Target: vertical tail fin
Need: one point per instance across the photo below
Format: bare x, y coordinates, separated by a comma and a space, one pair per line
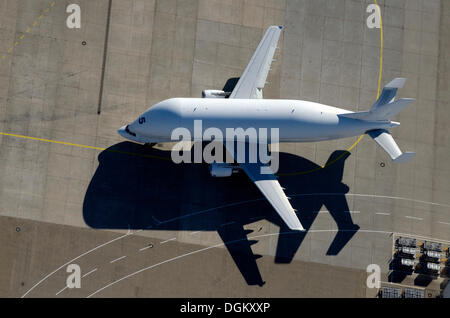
388, 93
385, 107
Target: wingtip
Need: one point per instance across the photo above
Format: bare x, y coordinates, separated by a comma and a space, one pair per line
297, 227
405, 157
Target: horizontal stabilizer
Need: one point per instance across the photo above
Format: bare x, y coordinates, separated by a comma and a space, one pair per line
385, 140
357, 115
386, 111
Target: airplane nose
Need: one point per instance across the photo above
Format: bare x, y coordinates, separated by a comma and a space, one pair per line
122, 131
125, 132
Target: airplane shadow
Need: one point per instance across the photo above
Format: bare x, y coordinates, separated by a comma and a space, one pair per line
139, 187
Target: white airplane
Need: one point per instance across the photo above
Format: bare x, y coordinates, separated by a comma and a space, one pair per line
297, 120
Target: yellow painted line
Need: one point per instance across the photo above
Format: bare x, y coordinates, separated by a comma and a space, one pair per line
51, 141
362, 136
29, 29
380, 72
327, 165
83, 146
165, 158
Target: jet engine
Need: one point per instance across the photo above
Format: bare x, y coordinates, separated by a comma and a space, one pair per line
214, 93
222, 170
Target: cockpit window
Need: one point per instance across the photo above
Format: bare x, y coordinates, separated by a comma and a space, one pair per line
129, 131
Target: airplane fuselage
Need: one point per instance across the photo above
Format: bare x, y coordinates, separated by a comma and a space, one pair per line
297, 121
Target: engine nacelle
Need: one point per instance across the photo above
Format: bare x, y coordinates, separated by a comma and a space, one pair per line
214, 93
222, 170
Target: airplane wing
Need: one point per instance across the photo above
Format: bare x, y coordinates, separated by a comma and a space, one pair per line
268, 184
235, 239
253, 79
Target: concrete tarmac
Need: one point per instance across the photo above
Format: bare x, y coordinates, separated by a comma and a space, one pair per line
58, 201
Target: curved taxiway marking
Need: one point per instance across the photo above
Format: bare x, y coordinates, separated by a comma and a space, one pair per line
380, 73
244, 239
227, 206
131, 233
74, 259
373, 196
381, 49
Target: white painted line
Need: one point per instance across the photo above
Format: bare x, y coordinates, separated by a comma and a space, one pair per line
382, 213
156, 220
326, 211
144, 248
125, 235
413, 217
227, 223
138, 231
192, 233
368, 195
173, 238
61, 291
225, 206
444, 223
222, 244
89, 273
117, 259
257, 217
72, 260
